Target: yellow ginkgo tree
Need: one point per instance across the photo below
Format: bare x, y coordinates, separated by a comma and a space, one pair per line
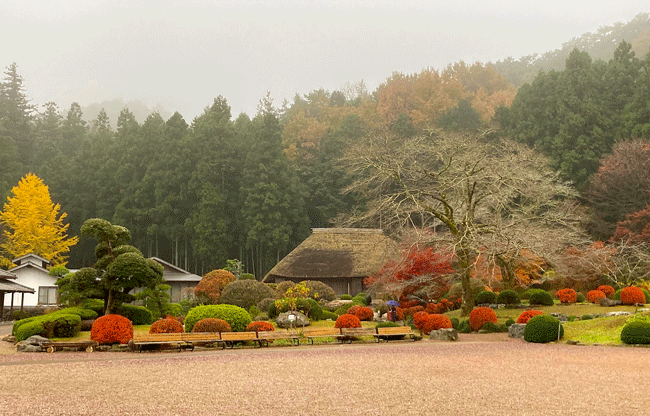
32, 224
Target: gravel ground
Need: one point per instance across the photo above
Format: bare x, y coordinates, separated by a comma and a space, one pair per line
478, 375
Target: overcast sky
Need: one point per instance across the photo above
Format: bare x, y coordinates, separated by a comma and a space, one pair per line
182, 54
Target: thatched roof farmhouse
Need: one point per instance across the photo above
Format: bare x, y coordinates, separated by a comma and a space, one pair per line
339, 257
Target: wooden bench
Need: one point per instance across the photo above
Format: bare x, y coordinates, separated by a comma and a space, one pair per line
229, 338
396, 332
141, 340
266, 336
311, 333
192, 338
88, 346
350, 334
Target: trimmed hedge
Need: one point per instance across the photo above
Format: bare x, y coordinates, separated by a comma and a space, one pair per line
347, 321
111, 329
632, 295
636, 333
44, 325
540, 297
138, 315
324, 291
479, 316
509, 297
543, 328
245, 293
211, 325
486, 297
166, 326
238, 318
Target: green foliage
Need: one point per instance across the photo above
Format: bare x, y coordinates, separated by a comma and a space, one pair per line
346, 297
315, 312
464, 327
344, 308
245, 293
540, 297
319, 290
58, 271
581, 297
265, 303
174, 309
490, 327
247, 276
96, 305
508, 297
138, 315
509, 322
585, 317
362, 299
156, 299
543, 328
328, 315
454, 323
237, 317
387, 324
60, 325
486, 297
273, 312
636, 333
84, 314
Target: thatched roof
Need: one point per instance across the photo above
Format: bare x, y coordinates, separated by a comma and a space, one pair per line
336, 253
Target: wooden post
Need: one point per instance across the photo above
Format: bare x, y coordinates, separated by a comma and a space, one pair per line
22, 302
11, 308
2, 306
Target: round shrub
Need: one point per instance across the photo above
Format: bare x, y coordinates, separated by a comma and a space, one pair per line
328, 315
166, 326
84, 314
636, 333
463, 327
111, 329
265, 303
260, 326
245, 293
56, 324
365, 313
567, 295
282, 288
346, 297
419, 318
594, 296
480, 316
387, 324
96, 305
509, 297
247, 276
211, 325
509, 322
319, 290
606, 289
543, 328
138, 315
347, 321
211, 284
273, 312
476, 287
540, 297
525, 316
581, 297
362, 299
174, 309
632, 295
486, 297
315, 311
236, 317
344, 308
434, 322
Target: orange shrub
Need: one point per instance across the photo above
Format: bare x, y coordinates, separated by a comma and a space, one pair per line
400, 313
567, 295
412, 310
594, 296
419, 318
606, 289
111, 329
165, 326
211, 325
347, 321
212, 284
479, 316
632, 295
435, 322
260, 326
525, 316
364, 313
352, 310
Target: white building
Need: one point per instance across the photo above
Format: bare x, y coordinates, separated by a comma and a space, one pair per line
31, 271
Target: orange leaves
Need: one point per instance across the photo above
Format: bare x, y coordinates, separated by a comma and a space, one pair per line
111, 329
212, 284
32, 223
525, 316
479, 316
347, 321
594, 296
567, 295
632, 295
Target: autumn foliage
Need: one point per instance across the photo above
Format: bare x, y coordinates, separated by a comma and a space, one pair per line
164, 326
525, 316
479, 316
594, 296
111, 329
606, 289
567, 295
347, 321
211, 325
260, 326
434, 322
632, 295
212, 284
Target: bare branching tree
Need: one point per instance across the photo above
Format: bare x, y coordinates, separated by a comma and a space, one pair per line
480, 194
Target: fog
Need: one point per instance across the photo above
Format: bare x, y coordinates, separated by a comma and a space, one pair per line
179, 55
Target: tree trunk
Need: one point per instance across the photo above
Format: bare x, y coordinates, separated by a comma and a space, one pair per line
507, 272
464, 263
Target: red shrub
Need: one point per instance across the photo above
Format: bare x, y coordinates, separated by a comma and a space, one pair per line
212, 284
594, 296
435, 322
431, 308
406, 304
352, 310
111, 329
364, 313
526, 315
606, 289
165, 326
347, 321
567, 295
260, 326
412, 311
632, 295
480, 316
400, 313
211, 325
419, 318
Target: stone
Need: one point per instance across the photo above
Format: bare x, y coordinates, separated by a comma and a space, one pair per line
609, 302
516, 330
336, 303
283, 320
444, 334
560, 316
616, 313
32, 344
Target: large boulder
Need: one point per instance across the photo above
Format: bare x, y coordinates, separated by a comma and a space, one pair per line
283, 320
32, 344
336, 303
444, 334
516, 330
609, 302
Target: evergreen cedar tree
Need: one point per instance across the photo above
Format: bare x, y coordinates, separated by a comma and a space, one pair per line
32, 224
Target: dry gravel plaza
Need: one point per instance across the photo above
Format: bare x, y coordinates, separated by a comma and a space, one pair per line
481, 374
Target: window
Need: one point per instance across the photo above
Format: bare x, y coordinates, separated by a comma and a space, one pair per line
47, 295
